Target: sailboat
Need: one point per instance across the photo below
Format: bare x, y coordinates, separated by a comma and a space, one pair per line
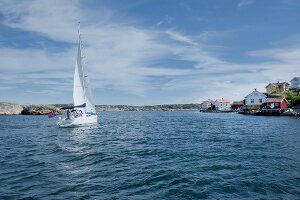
83, 113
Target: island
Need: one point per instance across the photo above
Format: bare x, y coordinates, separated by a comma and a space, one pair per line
7, 108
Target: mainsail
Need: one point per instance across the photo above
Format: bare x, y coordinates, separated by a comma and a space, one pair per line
82, 89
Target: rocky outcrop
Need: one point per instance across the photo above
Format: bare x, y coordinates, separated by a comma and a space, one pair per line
39, 109
16, 109
10, 108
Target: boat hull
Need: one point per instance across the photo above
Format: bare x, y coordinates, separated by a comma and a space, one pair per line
85, 120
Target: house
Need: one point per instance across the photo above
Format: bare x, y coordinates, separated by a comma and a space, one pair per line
277, 87
222, 104
255, 98
237, 104
206, 105
275, 103
295, 83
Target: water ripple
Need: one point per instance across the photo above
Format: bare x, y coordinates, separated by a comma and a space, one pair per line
151, 155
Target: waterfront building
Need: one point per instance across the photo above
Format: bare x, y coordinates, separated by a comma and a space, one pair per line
206, 105
277, 87
236, 105
275, 103
255, 98
222, 104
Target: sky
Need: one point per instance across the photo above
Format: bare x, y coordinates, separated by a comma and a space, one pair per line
147, 52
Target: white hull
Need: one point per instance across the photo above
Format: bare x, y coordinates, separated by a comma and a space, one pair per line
84, 120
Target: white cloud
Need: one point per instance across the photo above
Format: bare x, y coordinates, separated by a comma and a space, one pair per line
118, 55
181, 38
286, 55
244, 3
167, 20
122, 55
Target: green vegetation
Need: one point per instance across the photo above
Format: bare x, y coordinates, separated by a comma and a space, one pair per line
293, 98
273, 95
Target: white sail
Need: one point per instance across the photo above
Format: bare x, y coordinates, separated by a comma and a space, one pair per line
90, 106
82, 89
78, 91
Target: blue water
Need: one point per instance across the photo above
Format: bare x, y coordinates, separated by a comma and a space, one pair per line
151, 155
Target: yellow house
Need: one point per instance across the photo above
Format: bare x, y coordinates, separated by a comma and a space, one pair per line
277, 87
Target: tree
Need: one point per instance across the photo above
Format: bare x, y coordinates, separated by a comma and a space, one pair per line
293, 98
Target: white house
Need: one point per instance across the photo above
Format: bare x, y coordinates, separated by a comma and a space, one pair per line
255, 98
222, 104
295, 83
206, 104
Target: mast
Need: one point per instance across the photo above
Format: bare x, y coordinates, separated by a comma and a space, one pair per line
82, 65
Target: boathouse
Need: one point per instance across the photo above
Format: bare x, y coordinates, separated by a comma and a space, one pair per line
236, 105
275, 103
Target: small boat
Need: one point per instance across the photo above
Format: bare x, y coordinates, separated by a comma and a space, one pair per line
83, 113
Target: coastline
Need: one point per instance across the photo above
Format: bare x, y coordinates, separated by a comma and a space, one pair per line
8, 108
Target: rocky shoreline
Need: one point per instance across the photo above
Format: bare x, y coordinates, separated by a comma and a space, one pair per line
10, 108
7, 108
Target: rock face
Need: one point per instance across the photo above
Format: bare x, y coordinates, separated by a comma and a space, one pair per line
10, 108
39, 109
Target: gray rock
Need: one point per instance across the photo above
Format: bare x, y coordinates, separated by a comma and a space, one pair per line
10, 108
39, 109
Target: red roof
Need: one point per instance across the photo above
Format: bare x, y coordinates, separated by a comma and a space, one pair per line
223, 100
275, 100
238, 103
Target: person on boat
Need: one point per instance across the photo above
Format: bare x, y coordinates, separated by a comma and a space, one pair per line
79, 113
74, 113
68, 114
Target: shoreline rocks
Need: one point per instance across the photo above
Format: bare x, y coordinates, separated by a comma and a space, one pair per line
39, 109
7, 108
17, 109
10, 108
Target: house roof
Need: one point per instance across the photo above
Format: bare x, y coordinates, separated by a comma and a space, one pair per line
278, 84
296, 79
255, 92
275, 100
238, 103
222, 100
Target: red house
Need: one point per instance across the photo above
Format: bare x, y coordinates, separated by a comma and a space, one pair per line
237, 104
275, 103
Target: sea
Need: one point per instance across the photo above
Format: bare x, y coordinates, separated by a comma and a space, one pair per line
151, 155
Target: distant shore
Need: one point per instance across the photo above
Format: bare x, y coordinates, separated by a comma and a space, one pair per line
7, 108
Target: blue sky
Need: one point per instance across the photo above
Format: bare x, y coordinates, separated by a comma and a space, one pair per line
149, 51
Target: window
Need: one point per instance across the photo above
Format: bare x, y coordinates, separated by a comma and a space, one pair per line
260, 100
252, 100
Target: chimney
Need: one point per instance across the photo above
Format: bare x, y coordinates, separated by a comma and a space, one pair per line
254, 89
